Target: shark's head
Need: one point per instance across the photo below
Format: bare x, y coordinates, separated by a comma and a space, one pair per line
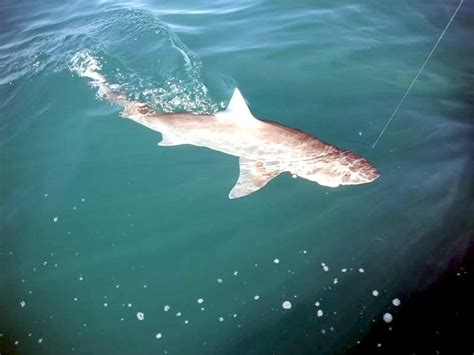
339, 168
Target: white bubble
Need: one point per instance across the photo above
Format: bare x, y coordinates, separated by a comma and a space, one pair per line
166, 308
286, 305
319, 313
276, 261
236, 273
55, 219
387, 317
200, 300
219, 281
140, 316
316, 304
129, 305
375, 293
186, 321
361, 270
40, 340
158, 336
294, 176
344, 270
325, 268
22, 304
178, 314
106, 304
256, 297
335, 281
396, 302
221, 319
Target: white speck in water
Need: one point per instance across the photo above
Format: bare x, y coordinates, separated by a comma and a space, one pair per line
145, 286
361, 270
22, 304
83, 199
45, 195
200, 300
74, 208
234, 315
320, 313
387, 317
375, 293
276, 261
325, 268
323, 331
55, 219
219, 281
294, 176
81, 278
236, 273
221, 319
396, 302
140, 316
360, 133
178, 314
45, 263
106, 304
305, 252
256, 297
117, 286
186, 322
166, 308
202, 308
40, 340
335, 281
75, 299
286, 305
379, 345
316, 304
344, 270
129, 305
158, 336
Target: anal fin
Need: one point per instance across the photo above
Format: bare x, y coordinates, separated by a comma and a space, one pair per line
253, 176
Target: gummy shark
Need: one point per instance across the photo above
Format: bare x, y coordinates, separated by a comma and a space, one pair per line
265, 148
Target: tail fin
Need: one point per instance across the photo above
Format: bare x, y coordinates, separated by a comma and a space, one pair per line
87, 66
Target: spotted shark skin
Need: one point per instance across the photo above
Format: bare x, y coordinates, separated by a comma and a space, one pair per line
265, 148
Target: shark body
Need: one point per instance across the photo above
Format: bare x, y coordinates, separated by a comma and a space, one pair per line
265, 149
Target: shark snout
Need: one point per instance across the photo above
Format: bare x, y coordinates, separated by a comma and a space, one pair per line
368, 175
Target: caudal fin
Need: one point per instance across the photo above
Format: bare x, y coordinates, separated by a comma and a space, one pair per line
85, 65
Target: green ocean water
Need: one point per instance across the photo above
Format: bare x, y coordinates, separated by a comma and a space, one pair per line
99, 225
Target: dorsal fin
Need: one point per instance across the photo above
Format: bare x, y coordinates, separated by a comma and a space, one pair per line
253, 176
238, 110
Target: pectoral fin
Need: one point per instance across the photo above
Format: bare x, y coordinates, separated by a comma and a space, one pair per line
168, 141
253, 176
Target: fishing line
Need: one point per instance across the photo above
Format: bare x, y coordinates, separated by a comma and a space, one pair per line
417, 75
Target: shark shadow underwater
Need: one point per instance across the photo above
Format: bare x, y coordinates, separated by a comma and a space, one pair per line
265, 148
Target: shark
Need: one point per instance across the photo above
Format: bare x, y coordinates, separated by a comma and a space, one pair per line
265, 148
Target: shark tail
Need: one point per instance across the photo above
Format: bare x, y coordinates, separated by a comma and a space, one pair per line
87, 66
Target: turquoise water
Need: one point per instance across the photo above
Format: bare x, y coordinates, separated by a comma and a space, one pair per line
99, 224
